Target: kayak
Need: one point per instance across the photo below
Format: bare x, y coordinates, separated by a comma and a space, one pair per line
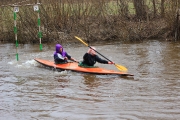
73, 66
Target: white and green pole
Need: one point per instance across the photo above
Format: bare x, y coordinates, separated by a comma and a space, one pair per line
36, 8
16, 9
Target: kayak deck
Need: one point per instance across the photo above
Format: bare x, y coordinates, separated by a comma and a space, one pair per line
73, 66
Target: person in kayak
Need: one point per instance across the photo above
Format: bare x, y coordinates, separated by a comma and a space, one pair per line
90, 58
61, 56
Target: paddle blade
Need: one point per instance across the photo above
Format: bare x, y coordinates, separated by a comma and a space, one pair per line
121, 68
81, 40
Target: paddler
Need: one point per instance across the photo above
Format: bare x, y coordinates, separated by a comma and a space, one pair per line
61, 56
90, 58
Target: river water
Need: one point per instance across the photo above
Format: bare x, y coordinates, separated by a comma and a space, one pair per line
30, 91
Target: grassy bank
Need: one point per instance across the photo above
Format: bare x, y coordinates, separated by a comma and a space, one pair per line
91, 20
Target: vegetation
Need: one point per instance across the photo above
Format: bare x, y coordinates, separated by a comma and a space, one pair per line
91, 20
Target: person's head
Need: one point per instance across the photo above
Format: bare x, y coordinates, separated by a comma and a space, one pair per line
59, 48
92, 51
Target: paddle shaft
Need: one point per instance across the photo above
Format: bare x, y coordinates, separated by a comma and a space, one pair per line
99, 53
92, 48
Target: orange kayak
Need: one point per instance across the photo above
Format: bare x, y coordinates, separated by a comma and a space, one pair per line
73, 66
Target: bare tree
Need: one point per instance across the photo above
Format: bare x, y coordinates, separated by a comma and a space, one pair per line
154, 7
162, 8
140, 9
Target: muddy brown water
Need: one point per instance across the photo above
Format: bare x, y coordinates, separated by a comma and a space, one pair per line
29, 91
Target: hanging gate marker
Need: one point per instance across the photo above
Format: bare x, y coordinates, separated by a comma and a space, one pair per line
16, 9
36, 8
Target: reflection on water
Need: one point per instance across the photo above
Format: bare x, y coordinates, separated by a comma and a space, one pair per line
29, 90
91, 80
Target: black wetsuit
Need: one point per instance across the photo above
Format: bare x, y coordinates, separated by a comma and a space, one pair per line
90, 60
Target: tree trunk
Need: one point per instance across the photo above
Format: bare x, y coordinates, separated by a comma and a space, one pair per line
140, 9
162, 8
154, 7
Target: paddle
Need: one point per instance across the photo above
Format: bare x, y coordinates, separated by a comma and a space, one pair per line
119, 67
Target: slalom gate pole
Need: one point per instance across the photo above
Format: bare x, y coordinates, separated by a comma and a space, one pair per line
16, 9
36, 8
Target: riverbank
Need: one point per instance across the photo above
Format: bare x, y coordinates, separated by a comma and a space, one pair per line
92, 21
